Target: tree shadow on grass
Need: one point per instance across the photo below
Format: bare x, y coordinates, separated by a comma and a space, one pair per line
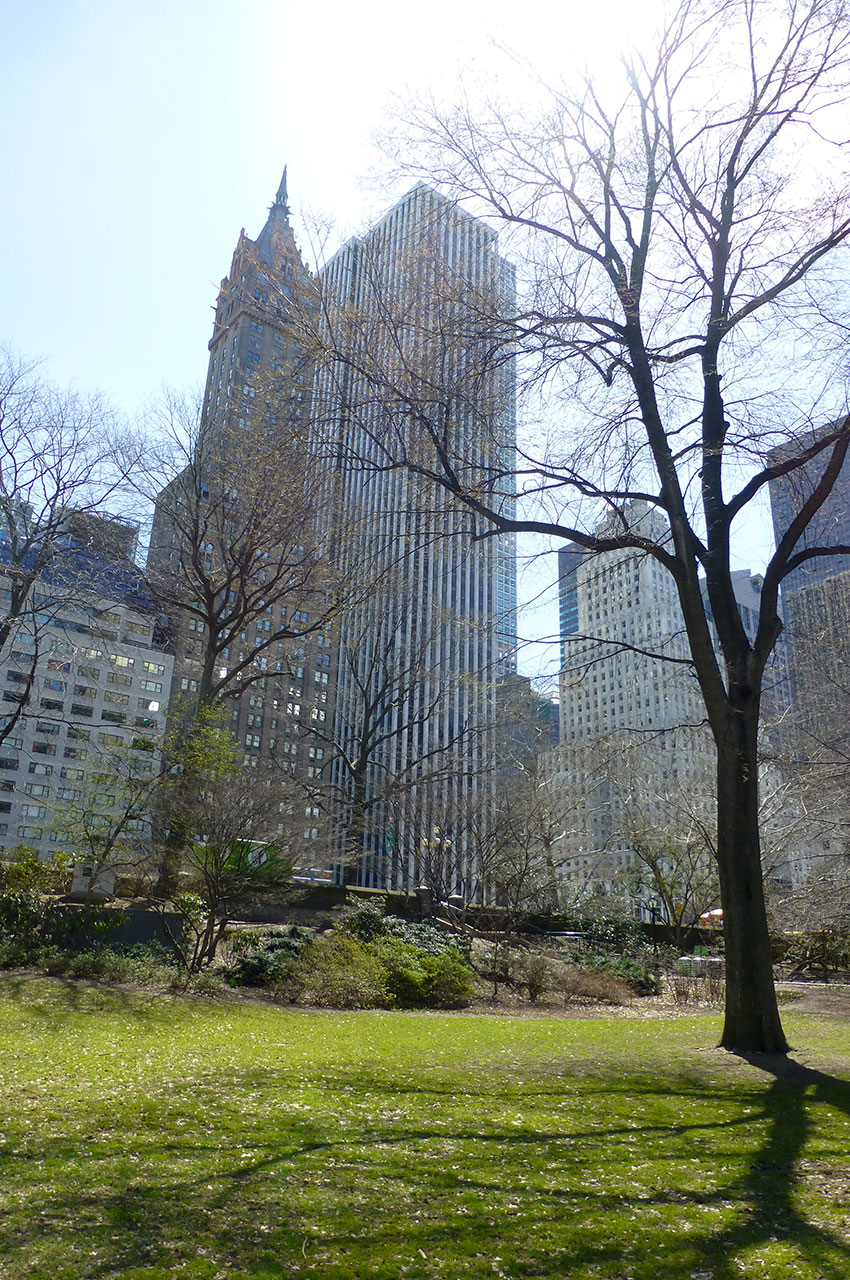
548, 1200
45, 996
779, 1174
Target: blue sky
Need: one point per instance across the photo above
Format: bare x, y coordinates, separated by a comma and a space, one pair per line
138, 138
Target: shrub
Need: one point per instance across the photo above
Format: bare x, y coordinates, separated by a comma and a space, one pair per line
581, 986
146, 964
818, 951
339, 972
535, 974
449, 980
417, 979
268, 957
368, 922
25, 917
635, 973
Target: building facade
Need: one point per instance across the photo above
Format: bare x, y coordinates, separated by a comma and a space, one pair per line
236, 552
420, 657
88, 662
815, 607
635, 761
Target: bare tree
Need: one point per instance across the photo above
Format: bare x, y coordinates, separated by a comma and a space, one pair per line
57, 467
107, 822
239, 563
386, 744
677, 241
236, 559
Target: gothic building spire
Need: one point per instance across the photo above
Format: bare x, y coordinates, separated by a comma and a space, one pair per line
281, 200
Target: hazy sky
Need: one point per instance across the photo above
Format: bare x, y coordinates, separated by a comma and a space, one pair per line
138, 139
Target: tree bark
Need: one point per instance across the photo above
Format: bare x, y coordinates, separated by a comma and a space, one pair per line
752, 1023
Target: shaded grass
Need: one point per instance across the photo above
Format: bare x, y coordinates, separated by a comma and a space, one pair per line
152, 1137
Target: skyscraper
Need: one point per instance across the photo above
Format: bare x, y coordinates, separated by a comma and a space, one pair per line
815, 605
419, 658
630, 706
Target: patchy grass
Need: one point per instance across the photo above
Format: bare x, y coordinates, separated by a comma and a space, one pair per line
151, 1137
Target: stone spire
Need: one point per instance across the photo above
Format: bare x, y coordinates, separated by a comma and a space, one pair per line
281, 200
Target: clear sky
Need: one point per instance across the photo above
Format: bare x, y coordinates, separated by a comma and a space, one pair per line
139, 137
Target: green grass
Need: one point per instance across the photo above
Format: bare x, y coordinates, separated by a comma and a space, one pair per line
151, 1137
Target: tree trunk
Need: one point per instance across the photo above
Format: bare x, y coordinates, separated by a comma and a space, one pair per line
752, 1023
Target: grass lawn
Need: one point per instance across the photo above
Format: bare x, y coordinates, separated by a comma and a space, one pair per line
150, 1137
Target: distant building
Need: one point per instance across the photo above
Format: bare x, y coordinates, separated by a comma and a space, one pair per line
259, 382
815, 606
631, 711
88, 662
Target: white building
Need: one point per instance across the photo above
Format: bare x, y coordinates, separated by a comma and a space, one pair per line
95, 682
634, 754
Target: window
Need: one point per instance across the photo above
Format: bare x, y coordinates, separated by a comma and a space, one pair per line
58, 686
153, 668
85, 691
68, 793
119, 678
110, 739
51, 704
81, 735
114, 717
42, 770
118, 699
153, 686
33, 811
147, 704
76, 753
76, 775
91, 653
80, 709
120, 661
187, 686
30, 833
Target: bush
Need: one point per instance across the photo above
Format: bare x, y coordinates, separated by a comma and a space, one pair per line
25, 870
636, 974
368, 922
25, 917
417, 979
146, 964
818, 951
339, 972
581, 986
535, 974
268, 957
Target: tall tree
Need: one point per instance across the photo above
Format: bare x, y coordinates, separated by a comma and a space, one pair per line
682, 316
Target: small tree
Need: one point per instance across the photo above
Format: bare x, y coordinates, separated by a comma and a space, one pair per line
229, 814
